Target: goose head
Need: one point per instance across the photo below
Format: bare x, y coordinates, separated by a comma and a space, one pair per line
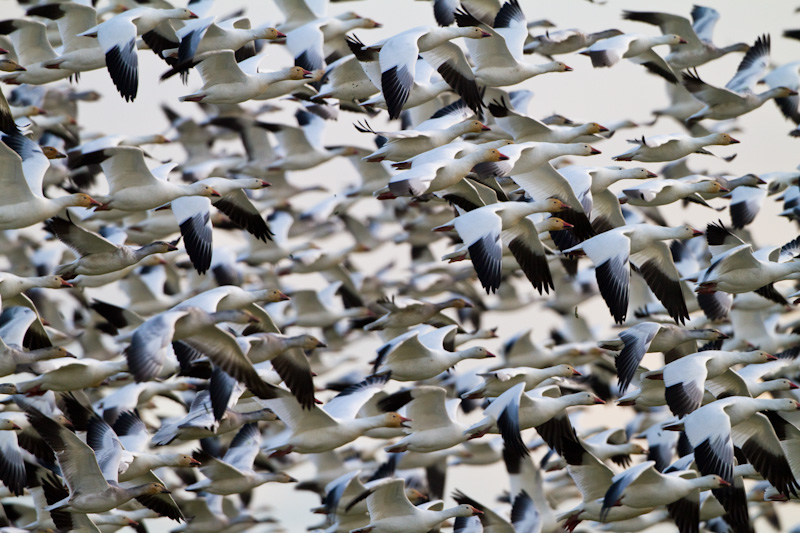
53, 282
268, 33
474, 126
180, 13
711, 482
464, 510
186, 461
565, 371
471, 32
722, 139
494, 155
297, 73
8, 425
159, 247
151, 489
395, 420
713, 187
205, 190
670, 39
594, 127
779, 92
476, 352
8, 65
581, 149
685, 232
81, 200
552, 224
52, 153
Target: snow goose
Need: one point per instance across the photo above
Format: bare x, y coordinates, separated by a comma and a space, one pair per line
79, 53
97, 254
644, 486
13, 358
637, 48
565, 41
303, 148
406, 144
12, 467
497, 382
314, 430
651, 337
234, 473
398, 57
433, 425
24, 164
699, 48
346, 81
746, 199
91, 490
390, 511
666, 191
515, 410
499, 60
33, 51
228, 82
414, 313
313, 42
525, 157
735, 268
643, 243
593, 479
419, 354
672, 147
523, 128
194, 218
133, 186
715, 428
117, 38
74, 375
737, 98
684, 378
437, 176
481, 230
788, 76
206, 35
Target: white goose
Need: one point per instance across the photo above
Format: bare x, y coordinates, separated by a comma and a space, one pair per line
685, 378
699, 48
673, 146
227, 82
97, 254
398, 57
481, 230
737, 98
498, 381
405, 144
117, 37
390, 511
23, 164
134, 187
523, 128
637, 48
499, 60
33, 51
420, 354
643, 244
666, 191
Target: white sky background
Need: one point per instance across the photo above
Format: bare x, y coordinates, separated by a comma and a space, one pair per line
625, 91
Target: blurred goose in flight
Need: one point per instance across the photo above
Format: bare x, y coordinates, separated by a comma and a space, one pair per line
91, 490
738, 96
665, 191
97, 254
33, 53
523, 128
234, 473
643, 244
699, 48
420, 354
565, 41
673, 146
499, 61
117, 37
390, 511
637, 48
24, 164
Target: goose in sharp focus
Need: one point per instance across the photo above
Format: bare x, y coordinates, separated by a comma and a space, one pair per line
637, 48
673, 146
33, 51
649, 337
699, 48
499, 61
738, 97
24, 164
684, 378
643, 244
97, 254
227, 82
398, 56
134, 187
481, 230
117, 37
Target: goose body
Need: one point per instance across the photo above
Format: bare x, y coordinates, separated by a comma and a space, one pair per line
672, 147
